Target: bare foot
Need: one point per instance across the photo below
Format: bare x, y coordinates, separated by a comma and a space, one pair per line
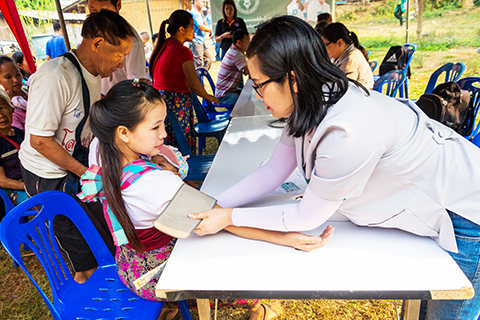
168, 314
266, 311
82, 276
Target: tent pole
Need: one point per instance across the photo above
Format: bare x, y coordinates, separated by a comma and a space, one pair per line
149, 18
62, 23
408, 21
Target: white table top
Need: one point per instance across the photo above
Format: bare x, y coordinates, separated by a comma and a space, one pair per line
358, 263
247, 104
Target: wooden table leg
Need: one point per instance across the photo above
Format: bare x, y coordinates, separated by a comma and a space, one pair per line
203, 309
412, 309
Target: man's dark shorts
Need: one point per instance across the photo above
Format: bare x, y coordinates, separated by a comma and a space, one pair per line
67, 234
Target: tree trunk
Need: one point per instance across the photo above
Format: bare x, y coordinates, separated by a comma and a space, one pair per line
421, 8
468, 4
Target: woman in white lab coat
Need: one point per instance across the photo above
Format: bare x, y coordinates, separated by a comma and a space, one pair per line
378, 161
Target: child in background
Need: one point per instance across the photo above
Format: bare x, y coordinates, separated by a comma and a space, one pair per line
234, 64
11, 138
11, 81
128, 122
22, 65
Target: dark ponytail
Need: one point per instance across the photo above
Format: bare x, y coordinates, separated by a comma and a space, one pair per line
179, 18
335, 31
124, 105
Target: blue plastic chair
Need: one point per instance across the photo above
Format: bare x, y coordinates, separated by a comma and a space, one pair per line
453, 72
103, 296
472, 84
373, 65
390, 82
411, 48
198, 165
205, 127
8, 206
210, 108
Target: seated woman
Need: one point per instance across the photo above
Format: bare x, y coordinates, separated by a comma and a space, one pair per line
11, 81
173, 73
347, 53
10, 139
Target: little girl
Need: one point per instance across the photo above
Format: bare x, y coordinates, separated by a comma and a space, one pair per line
11, 81
128, 122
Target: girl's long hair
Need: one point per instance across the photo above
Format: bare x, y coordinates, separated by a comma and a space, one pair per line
287, 43
124, 105
179, 18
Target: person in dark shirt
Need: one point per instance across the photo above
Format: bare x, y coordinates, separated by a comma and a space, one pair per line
10, 139
227, 26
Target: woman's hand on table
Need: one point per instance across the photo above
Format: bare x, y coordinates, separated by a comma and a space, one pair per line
307, 243
213, 220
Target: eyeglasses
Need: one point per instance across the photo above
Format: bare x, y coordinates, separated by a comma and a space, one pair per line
261, 85
327, 44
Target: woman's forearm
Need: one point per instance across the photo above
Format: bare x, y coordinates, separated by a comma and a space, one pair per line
265, 179
258, 234
291, 239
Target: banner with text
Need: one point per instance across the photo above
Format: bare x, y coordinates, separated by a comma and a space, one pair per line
256, 11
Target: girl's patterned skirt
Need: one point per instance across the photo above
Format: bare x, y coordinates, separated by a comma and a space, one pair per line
133, 267
181, 105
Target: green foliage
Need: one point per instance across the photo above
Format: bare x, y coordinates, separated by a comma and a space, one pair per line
442, 4
384, 10
34, 26
40, 5
346, 17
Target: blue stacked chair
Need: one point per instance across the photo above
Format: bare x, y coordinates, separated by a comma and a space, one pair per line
472, 84
411, 48
390, 82
205, 127
210, 107
103, 296
198, 165
453, 72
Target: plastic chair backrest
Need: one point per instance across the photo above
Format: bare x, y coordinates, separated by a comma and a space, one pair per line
472, 84
373, 65
203, 73
452, 73
39, 236
7, 203
393, 81
199, 111
411, 47
179, 135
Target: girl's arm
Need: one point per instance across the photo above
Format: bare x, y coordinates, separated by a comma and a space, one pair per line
296, 240
8, 183
194, 83
309, 213
263, 180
